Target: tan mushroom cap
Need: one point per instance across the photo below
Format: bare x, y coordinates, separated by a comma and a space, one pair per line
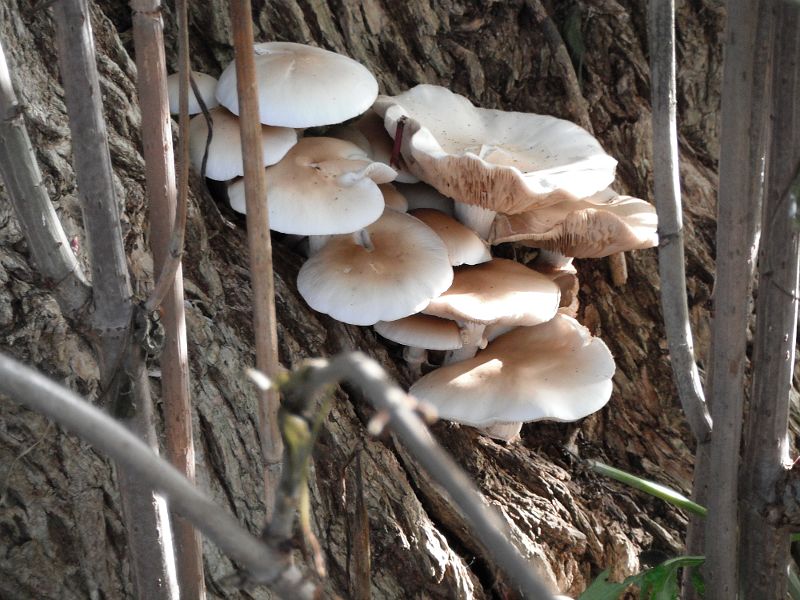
583, 229
421, 331
206, 85
303, 86
406, 266
463, 245
508, 162
555, 371
421, 195
500, 290
225, 150
393, 198
322, 186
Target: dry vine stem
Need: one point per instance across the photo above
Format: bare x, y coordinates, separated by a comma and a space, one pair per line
166, 240
259, 244
262, 564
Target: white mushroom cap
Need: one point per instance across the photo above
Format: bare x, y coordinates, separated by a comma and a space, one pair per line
406, 266
206, 85
422, 331
393, 198
504, 161
590, 228
555, 371
463, 245
322, 186
303, 86
225, 151
500, 290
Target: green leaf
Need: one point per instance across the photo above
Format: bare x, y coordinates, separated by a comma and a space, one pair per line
658, 583
602, 589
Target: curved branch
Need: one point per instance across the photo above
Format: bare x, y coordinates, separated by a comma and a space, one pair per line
388, 398
263, 564
670, 225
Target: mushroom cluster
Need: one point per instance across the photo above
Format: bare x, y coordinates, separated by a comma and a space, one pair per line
402, 200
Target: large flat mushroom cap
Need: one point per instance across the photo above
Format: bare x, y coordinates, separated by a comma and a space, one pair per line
322, 186
303, 86
500, 290
504, 161
585, 229
555, 371
225, 150
406, 267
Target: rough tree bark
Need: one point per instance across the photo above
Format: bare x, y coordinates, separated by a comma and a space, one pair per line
60, 530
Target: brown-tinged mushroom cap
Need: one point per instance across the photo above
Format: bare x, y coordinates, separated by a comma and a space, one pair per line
582, 229
498, 290
225, 150
322, 186
555, 371
392, 272
422, 331
393, 198
505, 161
463, 245
206, 85
303, 86
421, 195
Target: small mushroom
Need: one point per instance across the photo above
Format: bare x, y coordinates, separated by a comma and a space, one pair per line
499, 291
206, 85
303, 86
420, 333
591, 228
322, 186
389, 270
225, 150
464, 247
509, 162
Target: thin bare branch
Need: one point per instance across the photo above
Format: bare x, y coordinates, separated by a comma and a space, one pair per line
262, 564
259, 243
167, 226
670, 225
360, 370
744, 109
764, 543
46, 239
122, 364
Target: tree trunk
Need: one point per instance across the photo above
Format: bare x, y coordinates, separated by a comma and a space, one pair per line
61, 534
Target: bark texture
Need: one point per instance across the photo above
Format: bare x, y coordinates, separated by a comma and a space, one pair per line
61, 534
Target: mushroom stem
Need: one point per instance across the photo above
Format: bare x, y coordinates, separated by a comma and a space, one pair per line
472, 336
362, 238
551, 260
415, 358
507, 431
317, 243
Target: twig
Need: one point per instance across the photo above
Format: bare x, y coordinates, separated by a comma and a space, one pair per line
361, 580
167, 227
670, 226
764, 543
262, 564
386, 396
46, 239
259, 243
745, 106
122, 362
